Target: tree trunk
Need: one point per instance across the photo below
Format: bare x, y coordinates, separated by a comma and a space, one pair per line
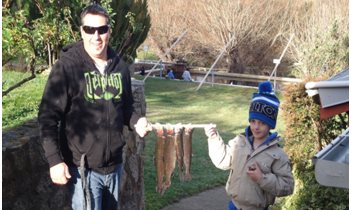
236, 66
49, 55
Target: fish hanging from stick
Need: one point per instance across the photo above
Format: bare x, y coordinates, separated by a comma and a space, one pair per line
178, 135
173, 145
159, 155
169, 156
187, 149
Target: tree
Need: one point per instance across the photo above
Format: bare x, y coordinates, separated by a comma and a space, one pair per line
261, 29
212, 23
169, 20
42, 28
321, 44
130, 23
37, 30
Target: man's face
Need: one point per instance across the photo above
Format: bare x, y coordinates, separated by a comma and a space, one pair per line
95, 42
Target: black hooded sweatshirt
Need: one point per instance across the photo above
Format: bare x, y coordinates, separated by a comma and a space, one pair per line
83, 111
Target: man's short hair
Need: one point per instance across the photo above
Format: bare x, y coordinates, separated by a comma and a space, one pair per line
94, 9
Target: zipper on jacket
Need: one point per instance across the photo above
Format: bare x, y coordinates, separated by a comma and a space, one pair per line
108, 140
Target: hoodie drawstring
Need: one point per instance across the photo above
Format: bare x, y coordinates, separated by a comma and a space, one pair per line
85, 185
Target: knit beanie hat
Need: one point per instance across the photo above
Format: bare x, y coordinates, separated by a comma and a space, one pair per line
264, 105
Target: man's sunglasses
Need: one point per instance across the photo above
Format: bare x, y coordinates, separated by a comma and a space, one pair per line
91, 30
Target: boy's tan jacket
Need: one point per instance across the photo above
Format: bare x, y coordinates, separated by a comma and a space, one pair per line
237, 156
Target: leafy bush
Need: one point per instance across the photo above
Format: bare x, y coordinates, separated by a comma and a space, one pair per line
305, 134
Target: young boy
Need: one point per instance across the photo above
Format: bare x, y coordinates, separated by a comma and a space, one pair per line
259, 168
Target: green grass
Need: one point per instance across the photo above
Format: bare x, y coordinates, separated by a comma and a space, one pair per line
22, 103
167, 102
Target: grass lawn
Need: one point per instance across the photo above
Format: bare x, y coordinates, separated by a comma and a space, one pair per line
22, 103
167, 102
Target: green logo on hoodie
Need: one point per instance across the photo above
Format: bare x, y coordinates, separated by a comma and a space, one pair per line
103, 87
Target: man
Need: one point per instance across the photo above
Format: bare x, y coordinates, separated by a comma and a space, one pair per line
170, 74
86, 102
186, 75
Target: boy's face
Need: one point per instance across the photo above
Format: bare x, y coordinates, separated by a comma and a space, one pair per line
259, 129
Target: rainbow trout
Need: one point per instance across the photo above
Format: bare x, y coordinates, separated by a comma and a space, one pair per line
187, 148
178, 135
169, 157
159, 157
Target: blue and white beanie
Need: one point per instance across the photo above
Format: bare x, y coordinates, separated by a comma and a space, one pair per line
264, 105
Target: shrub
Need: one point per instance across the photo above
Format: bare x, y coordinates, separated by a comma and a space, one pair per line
305, 135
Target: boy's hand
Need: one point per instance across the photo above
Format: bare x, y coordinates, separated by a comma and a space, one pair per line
211, 131
254, 172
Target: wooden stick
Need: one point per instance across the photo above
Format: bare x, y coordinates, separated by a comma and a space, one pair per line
184, 125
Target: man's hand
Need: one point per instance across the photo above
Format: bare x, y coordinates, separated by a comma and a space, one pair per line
59, 174
143, 127
254, 172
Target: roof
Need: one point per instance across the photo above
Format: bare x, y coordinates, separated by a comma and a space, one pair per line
332, 162
333, 94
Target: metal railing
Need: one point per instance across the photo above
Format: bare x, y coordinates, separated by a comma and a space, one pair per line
246, 77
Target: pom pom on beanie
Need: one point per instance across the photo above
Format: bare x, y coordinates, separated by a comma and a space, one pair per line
265, 87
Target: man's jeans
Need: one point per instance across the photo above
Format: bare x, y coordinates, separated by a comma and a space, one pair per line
103, 189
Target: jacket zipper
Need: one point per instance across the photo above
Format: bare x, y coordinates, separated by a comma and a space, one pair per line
108, 140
